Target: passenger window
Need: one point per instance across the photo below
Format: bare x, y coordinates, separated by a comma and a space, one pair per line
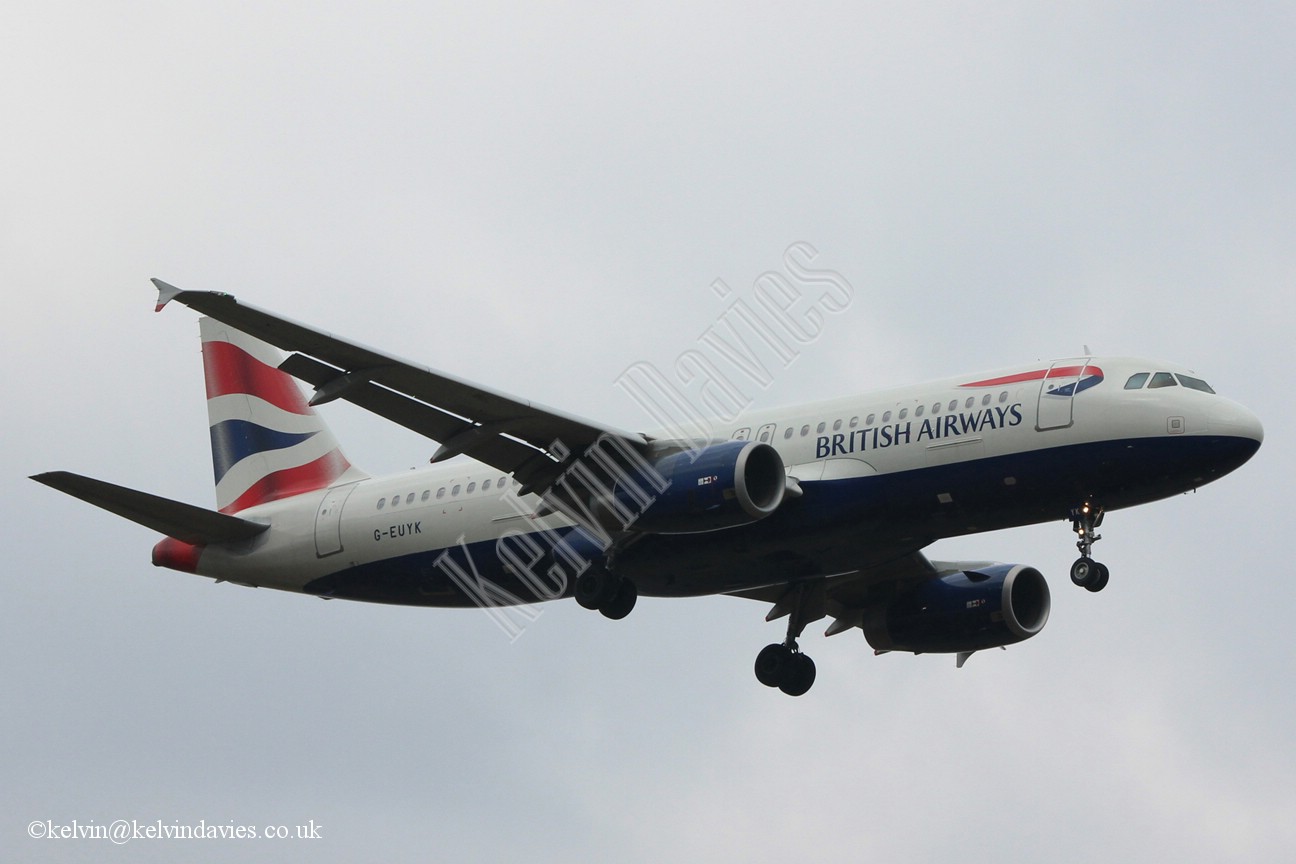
1003, 397
395, 500
441, 492
953, 405
820, 428
985, 400
409, 499
764, 436
854, 422
918, 412
382, 502
455, 490
1194, 383
472, 487
971, 400
1162, 379
787, 433
742, 434
869, 421
936, 408
805, 430
485, 485
1137, 380
427, 493
886, 416
836, 425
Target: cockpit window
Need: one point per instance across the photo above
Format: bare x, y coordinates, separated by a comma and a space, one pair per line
1162, 379
1194, 383
1137, 380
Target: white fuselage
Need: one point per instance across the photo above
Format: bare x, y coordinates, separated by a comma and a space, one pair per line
889, 470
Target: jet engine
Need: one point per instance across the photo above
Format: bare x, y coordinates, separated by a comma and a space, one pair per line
994, 605
719, 486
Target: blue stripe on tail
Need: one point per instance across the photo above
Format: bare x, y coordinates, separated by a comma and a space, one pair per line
232, 441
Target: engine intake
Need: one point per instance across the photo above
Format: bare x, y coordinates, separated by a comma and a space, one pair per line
967, 611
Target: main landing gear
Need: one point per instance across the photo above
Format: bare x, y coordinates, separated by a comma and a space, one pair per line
1086, 572
610, 594
783, 665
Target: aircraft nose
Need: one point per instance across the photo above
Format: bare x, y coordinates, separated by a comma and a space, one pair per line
1236, 421
1254, 430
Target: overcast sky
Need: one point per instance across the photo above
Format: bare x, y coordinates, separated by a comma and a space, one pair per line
536, 200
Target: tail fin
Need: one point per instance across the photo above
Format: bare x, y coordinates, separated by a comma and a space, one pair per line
267, 443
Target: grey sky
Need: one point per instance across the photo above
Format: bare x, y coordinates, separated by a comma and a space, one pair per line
536, 200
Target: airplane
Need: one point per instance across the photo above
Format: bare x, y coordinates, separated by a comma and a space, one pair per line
821, 510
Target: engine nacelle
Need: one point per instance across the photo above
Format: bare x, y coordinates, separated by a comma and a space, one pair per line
720, 486
968, 611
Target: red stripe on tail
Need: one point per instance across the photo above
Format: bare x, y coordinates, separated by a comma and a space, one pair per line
229, 369
319, 474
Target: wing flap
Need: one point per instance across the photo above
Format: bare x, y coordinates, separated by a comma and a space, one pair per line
484, 442
845, 595
184, 522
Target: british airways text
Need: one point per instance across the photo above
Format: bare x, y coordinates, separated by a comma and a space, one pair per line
913, 431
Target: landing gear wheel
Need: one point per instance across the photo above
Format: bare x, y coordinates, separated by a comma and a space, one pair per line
1082, 572
790, 671
772, 663
608, 593
620, 604
595, 587
799, 677
1089, 574
1100, 578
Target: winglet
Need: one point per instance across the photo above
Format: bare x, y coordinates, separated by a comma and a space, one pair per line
166, 293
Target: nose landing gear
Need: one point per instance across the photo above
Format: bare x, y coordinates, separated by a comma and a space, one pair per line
1086, 572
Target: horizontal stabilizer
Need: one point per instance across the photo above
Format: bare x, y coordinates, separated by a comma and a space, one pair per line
184, 522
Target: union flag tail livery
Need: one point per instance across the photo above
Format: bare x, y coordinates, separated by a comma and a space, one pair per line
821, 510
267, 442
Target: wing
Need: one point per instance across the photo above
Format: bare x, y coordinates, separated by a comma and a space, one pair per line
533, 443
843, 597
